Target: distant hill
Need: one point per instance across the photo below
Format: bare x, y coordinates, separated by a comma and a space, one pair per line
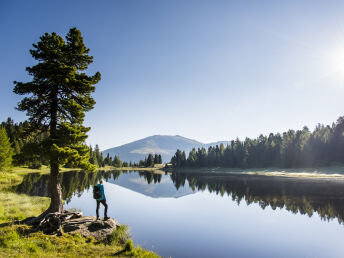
165, 145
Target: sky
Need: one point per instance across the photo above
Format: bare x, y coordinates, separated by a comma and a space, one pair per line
205, 70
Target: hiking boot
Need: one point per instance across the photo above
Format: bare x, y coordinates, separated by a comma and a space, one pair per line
106, 218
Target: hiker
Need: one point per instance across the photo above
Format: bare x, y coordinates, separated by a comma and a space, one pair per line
100, 197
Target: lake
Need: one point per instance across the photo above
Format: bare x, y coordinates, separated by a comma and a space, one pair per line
214, 214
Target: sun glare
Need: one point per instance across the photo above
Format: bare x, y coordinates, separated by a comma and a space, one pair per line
336, 63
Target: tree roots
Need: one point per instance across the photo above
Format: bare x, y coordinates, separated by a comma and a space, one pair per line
51, 223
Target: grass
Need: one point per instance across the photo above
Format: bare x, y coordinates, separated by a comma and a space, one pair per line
20, 241
14, 206
120, 236
42, 170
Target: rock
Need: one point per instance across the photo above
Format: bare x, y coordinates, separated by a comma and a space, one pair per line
72, 222
88, 226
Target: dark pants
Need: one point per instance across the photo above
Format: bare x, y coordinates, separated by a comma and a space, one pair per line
105, 205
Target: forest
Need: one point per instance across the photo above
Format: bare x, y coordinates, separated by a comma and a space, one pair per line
27, 149
302, 148
324, 146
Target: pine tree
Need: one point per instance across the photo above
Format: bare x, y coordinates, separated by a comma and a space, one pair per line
99, 156
6, 150
150, 161
156, 159
107, 159
192, 159
93, 157
59, 96
117, 162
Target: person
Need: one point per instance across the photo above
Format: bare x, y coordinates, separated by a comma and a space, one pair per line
102, 200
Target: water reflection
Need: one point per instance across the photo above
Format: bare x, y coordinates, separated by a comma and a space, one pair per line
72, 182
297, 195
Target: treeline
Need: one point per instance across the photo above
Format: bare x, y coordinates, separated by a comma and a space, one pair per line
19, 146
302, 148
96, 158
149, 161
25, 145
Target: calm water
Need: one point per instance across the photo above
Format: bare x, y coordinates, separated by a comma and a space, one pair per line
215, 215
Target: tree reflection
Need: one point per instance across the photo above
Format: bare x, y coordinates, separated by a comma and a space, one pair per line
297, 195
72, 182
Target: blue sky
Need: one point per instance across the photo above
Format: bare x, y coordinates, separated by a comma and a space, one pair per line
207, 70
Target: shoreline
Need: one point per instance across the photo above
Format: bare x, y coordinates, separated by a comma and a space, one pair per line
329, 172
22, 240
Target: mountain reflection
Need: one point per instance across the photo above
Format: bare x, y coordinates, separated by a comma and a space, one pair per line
297, 195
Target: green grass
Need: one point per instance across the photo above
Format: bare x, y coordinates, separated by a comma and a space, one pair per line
119, 237
20, 241
14, 206
19, 206
42, 170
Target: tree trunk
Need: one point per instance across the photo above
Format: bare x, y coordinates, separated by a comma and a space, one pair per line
55, 192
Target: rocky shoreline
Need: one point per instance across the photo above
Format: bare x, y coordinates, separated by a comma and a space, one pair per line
88, 226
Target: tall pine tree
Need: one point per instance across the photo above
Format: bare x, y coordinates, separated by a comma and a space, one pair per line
58, 97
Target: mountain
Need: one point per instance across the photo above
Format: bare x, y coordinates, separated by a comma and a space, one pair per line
165, 145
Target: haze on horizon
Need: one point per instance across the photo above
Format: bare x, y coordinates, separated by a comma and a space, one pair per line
205, 70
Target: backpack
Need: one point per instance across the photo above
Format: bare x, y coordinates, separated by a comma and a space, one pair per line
96, 192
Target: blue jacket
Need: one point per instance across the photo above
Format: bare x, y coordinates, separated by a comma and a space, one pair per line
102, 191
